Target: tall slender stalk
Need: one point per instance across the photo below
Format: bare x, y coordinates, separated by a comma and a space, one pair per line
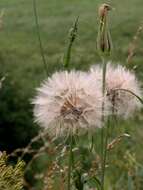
70, 163
105, 152
103, 121
39, 36
67, 57
104, 47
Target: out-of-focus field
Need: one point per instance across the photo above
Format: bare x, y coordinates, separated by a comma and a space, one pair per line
20, 58
19, 48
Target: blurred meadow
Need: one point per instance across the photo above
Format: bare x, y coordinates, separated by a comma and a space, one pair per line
21, 64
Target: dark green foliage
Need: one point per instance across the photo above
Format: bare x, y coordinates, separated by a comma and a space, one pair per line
16, 121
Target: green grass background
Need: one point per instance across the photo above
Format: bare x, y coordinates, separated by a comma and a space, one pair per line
20, 57
19, 48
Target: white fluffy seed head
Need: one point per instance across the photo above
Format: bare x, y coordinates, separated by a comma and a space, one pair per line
122, 102
68, 102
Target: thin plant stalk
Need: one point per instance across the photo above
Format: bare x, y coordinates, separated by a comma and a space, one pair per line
70, 163
66, 63
39, 36
105, 150
103, 121
104, 46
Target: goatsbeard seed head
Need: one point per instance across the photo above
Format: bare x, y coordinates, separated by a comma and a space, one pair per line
67, 101
122, 103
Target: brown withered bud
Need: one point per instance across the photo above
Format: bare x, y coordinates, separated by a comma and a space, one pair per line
116, 141
103, 10
104, 43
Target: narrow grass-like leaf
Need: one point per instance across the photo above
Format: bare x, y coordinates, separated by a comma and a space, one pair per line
129, 91
39, 36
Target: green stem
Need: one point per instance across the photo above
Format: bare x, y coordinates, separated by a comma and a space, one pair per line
68, 55
102, 155
104, 77
103, 121
39, 36
105, 149
70, 163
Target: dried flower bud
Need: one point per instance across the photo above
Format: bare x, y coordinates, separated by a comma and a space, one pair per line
104, 43
103, 10
116, 141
